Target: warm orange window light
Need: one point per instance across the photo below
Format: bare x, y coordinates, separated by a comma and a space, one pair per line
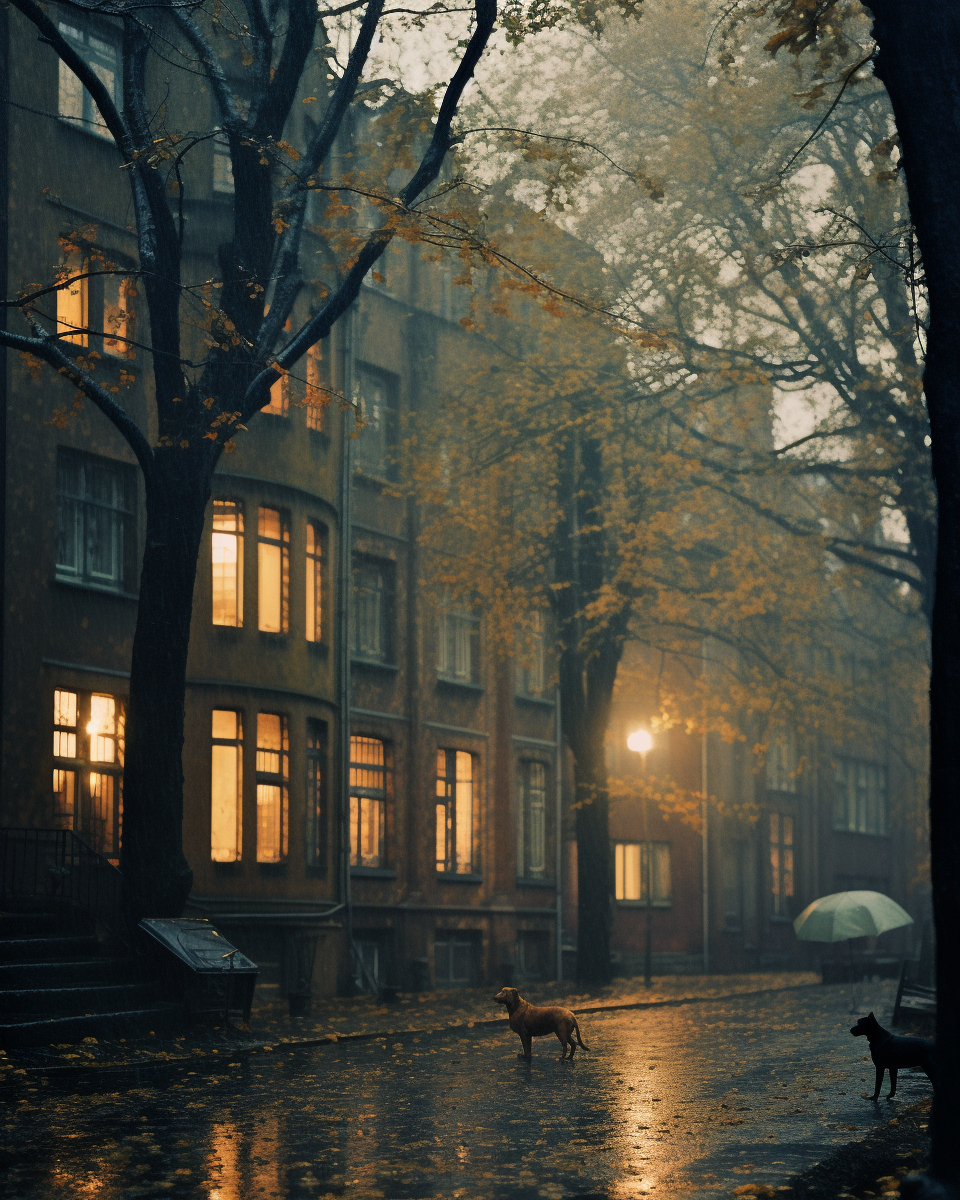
314, 580
226, 786
72, 306
227, 563
368, 797
273, 571
272, 777
118, 316
279, 397
65, 724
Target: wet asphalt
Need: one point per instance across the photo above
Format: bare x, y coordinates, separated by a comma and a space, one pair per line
690, 1101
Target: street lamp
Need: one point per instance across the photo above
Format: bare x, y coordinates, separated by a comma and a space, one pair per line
641, 742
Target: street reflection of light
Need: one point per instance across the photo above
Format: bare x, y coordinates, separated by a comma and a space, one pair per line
265, 1175
222, 1165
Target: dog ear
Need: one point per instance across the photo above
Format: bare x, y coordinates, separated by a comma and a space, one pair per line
871, 1015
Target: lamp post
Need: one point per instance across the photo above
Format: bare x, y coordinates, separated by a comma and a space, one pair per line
640, 742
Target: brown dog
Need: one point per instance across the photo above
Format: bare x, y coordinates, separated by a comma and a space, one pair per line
529, 1022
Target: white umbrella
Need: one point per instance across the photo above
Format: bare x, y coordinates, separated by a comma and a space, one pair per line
847, 915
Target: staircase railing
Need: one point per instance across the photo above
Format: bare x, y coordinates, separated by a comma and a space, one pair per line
59, 871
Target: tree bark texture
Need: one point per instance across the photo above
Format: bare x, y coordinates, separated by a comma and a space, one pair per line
919, 62
156, 876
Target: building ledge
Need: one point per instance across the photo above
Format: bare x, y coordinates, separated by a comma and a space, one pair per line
453, 877
372, 873
374, 664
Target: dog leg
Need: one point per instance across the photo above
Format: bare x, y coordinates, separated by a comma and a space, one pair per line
527, 1044
876, 1093
893, 1083
563, 1042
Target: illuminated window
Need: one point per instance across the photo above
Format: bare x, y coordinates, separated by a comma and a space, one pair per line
94, 520
372, 610
642, 873
368, 800
227, 562
315, 795
88, 748
531, 667
226, 786
118, 315
73, 300
532, 820
317, 394
781, 863
273, 770
455, 813
279, 404
273, 571
64, 747
459, 658
76, 105
314, 581
222, 166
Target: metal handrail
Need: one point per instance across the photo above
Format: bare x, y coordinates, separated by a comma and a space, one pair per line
57, 867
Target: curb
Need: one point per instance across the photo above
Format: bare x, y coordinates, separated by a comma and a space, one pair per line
91, 1071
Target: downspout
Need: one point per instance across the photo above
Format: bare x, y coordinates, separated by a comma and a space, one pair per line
704, 782
558, 770
344, 580
4, 282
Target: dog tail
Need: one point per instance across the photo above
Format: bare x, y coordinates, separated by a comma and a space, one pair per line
576, 1027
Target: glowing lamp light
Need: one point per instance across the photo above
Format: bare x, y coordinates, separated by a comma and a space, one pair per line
640, 741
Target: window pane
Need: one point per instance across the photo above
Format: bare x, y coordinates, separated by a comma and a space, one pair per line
314, 588
102, 728
118, 316
103, 813
72, 303
315, 796
464, 812
227, 563
269, 588
225, 804
269, 822
64, 793
272, 775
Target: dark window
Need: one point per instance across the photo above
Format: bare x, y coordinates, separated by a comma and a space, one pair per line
532, 659
95, 521
375, 446
100, 50
373, 610
860, 797
456, 849
532, 820
316, 805
533, 956
739, 890
456, 959
459, 657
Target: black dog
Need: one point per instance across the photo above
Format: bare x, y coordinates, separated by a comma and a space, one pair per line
891, 1052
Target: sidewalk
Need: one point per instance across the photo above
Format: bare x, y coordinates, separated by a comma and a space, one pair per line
361, 1018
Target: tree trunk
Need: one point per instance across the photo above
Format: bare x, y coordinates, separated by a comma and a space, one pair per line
156, 876
919, 61
593, 865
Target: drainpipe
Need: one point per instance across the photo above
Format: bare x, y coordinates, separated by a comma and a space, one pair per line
704, 780
344, 580
558, 755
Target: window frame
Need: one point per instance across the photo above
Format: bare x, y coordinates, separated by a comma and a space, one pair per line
875, 807
663, 853
266, 542
89, 119
280, 779
88, 769
385, 612
85, 507
781, 857
384, 419
237, 534
449, 798
526, 872
458, 626
536, 639
360, 791
315, 562
235, 743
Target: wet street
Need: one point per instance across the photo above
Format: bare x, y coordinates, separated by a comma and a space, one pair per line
681, 1101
